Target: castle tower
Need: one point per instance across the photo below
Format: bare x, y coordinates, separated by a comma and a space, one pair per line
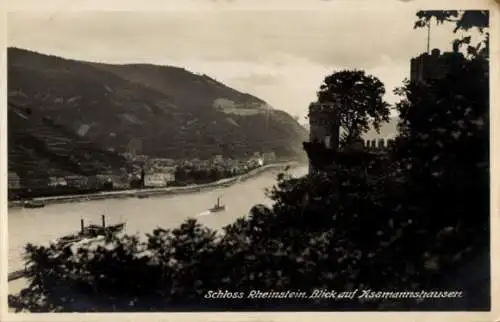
433, 66
324, 125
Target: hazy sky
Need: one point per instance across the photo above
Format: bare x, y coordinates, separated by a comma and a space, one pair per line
279, 52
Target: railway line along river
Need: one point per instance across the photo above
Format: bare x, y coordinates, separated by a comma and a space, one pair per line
42, 225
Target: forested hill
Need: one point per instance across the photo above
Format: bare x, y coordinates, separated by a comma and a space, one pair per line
160, 111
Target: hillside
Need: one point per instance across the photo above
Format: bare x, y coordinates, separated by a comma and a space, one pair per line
159, 111
179, 84
38, 148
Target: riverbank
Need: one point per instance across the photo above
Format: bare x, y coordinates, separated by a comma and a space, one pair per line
134, 193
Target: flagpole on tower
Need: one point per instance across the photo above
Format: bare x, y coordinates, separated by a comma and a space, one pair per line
428, 36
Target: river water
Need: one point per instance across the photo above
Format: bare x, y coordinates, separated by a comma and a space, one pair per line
42, 225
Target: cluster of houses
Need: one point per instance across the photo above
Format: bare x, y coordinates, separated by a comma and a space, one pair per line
118, 181
233, 165
161, 172
155, 172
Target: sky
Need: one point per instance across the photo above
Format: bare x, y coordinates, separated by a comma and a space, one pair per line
279, 51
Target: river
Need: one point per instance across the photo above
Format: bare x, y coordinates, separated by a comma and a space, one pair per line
42, 225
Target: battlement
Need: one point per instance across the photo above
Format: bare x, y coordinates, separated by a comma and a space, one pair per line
315, 107
377, 145
324, 137
433, 65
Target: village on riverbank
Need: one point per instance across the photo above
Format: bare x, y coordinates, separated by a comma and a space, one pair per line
142, 175
154, 191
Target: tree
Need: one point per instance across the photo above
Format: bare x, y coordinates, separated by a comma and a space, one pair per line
136, 183
464, 20
108, 185
361, 102
443, 142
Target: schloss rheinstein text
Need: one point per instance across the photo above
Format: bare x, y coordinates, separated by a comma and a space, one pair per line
332, 294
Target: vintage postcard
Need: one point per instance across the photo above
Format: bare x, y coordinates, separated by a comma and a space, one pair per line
250, 160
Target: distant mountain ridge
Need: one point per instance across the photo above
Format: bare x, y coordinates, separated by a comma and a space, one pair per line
160, 111
171, 81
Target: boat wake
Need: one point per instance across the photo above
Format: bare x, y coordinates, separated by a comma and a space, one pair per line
205, 213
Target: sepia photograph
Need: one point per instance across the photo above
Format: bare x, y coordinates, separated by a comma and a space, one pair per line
218, 156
